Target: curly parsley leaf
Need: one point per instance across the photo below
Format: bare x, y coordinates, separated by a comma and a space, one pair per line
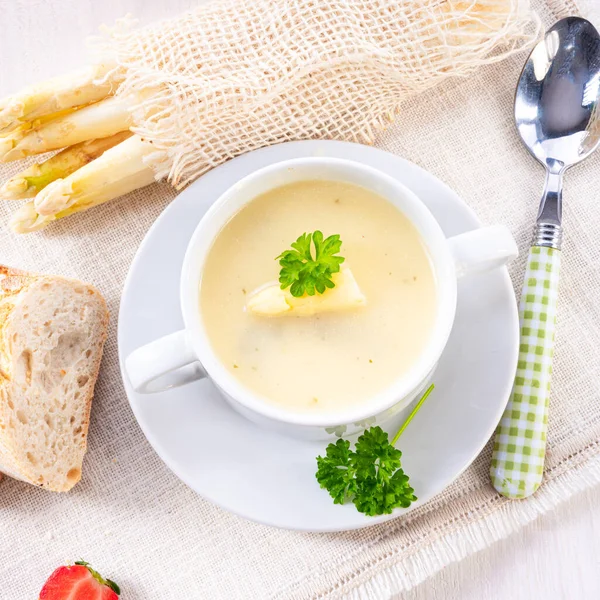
376, 496
336, 472
308, 272
375, 457
381, 484
371, 475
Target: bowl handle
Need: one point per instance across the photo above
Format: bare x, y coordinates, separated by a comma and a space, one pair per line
163, 364
482, 249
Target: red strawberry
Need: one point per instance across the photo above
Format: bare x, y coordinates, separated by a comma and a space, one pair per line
79, 582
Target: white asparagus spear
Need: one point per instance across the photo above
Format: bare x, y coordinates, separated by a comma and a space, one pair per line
9, 139
34, 179
66, 91
118, 171
27, 220
103, 119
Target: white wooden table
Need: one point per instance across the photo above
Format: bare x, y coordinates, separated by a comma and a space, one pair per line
555, 558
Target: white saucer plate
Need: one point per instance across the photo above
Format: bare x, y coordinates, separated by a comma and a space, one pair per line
268, 478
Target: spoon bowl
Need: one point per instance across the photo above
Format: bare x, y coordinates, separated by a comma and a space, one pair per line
558, 95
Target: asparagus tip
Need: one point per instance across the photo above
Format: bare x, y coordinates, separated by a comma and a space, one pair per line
13, 154
14, 189
53, 198
10, 114
6, 146
27, 219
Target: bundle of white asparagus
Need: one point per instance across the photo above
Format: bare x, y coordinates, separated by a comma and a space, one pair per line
101, 160
182, 96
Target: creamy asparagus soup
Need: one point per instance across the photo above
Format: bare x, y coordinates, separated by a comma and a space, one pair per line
328, 350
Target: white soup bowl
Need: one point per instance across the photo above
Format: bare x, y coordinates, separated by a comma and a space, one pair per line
187, 355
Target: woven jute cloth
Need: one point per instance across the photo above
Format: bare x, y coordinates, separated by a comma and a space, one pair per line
132, 514
234, 75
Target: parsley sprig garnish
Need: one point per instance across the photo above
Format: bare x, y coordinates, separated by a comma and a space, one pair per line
371, 475
305, 274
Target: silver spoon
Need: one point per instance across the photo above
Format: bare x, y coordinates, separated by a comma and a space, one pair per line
557, 108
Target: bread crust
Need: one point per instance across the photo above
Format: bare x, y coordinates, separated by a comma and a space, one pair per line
15, 286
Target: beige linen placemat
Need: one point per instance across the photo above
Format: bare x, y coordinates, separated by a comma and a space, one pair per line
134, 519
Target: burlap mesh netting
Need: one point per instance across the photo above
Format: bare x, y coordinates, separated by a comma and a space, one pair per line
235, 75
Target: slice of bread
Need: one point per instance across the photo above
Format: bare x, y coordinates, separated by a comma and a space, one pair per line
52, 333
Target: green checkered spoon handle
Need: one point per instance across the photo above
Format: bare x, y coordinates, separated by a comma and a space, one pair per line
520, 444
